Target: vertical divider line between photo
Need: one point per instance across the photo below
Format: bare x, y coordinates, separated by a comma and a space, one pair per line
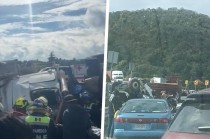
104, 69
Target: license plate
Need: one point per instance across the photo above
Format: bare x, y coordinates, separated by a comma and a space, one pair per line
140, 126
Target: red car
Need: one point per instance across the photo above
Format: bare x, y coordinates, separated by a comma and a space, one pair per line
192, 120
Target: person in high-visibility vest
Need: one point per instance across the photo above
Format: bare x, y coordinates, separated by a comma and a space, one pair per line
39, 120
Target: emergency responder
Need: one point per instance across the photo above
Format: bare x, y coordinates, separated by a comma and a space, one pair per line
39, 120
20, 107
76, 122
115, 103
94, 85
45, 102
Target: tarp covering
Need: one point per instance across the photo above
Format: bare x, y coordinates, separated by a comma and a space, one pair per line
22, 85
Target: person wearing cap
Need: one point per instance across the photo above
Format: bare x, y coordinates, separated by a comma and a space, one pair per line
76, 122
39, 120
19, 108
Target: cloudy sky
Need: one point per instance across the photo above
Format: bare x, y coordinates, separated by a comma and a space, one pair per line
31, 29
200, 6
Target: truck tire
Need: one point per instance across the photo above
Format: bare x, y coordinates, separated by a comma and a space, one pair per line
134, 84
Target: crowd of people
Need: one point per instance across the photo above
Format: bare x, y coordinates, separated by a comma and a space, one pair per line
36, 120
33, 120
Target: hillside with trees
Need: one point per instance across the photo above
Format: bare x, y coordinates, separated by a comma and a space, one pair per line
161, 42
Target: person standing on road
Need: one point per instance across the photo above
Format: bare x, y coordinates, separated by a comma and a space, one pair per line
115, 103
42, 125
76, 122
110, 117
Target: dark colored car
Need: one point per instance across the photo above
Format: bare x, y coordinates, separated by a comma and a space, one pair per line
142, 118
192, 120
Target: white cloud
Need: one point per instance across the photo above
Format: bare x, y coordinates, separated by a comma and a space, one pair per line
20, 2
55, 29
68, 44
95, 17
5, 28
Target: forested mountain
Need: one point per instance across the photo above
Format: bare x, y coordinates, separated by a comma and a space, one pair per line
161, 42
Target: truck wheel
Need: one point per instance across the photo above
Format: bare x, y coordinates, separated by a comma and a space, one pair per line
134, 84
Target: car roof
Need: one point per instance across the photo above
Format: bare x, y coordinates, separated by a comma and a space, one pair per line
202, 94
207, 90
146, 100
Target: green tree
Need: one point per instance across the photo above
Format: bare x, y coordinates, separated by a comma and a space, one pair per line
52, 58
161, 42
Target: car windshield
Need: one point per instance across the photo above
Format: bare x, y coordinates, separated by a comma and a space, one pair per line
193, 118
144, 106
